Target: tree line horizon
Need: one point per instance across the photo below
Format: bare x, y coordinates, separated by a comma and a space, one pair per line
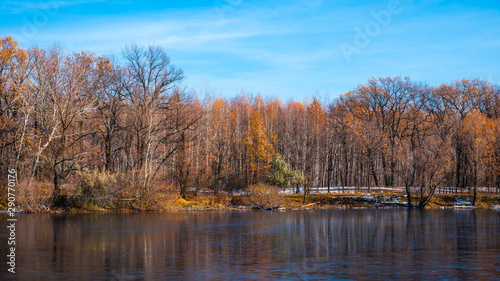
64, 116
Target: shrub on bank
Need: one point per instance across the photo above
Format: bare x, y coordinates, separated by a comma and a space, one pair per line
265, 195
33, 196
99, 188
157, 197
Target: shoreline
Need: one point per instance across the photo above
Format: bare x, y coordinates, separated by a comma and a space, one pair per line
293, 202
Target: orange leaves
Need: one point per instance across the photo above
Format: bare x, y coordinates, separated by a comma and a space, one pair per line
295, 108
316, 114
218, 126
13, 64
464, 95
10, 53
89, 62
258, 143
479, 131
85, 57
14, 68
104, 64
240, 130
218, 107
219, 118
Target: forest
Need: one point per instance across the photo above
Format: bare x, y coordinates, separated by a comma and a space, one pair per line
87, 125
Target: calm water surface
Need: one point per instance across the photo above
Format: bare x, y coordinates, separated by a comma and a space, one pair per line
292, 245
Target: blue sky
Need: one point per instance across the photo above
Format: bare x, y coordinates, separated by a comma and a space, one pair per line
287, 49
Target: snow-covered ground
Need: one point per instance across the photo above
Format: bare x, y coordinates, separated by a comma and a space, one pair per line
352, 189
342, 190
363, 189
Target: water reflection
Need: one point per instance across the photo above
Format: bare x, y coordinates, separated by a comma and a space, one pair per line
355, 244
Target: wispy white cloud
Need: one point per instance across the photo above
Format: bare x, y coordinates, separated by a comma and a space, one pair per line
293, 48
18, 7
202, 33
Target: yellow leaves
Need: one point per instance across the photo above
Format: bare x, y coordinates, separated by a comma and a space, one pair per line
479, 131
11, 56
477, 125
258, 143
273, 107
218, 114
218, 106
295, 108
316, 113
8, 49
259, 103
89, 61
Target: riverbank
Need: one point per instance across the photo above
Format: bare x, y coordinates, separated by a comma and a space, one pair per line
289, 202
396, 200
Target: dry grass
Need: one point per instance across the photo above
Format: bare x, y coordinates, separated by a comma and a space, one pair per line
157, 198
265, 195
36, 197
462, 198
33, 196
210, 202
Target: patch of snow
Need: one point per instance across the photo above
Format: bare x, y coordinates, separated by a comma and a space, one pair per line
461, 202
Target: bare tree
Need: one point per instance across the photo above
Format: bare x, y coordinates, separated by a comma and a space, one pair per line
152, 79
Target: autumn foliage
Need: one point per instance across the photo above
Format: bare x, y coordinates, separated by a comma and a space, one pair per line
64, 115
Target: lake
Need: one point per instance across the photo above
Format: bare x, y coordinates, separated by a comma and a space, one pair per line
258, 245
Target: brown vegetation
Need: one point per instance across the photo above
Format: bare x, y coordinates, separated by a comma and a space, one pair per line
264, 195
94, 132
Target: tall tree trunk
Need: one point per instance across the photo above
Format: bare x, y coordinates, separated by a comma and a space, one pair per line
475, 184
57, 189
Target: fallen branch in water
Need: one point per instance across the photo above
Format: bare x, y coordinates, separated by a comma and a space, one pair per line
308, 205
